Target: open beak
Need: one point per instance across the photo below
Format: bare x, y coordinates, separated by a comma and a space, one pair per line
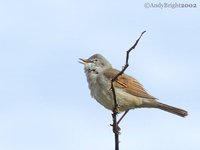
84, 61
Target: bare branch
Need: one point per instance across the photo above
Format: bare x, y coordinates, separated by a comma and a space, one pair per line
116, 128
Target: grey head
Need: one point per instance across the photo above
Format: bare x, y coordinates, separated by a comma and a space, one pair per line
94, 65
100, 61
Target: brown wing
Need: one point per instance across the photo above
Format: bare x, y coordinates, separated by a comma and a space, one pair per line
129, 84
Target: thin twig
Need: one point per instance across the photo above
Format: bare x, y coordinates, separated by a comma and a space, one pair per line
115, 110
120, 119
127, 58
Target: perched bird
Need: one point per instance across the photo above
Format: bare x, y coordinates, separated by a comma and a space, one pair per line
130, 93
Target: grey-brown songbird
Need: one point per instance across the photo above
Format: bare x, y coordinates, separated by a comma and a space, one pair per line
130, 93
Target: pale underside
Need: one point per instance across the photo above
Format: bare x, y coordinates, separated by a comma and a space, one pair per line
129, 92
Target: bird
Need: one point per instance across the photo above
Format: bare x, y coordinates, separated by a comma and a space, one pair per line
130, 94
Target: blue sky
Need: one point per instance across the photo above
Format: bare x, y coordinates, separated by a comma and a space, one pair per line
44, 99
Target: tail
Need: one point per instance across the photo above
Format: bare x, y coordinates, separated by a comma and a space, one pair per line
171, 109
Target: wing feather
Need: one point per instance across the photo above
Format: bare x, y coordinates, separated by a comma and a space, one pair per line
128, 83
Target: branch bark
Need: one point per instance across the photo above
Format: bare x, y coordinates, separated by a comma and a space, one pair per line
116, 128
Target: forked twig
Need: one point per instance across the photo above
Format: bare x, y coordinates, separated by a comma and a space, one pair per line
116, 128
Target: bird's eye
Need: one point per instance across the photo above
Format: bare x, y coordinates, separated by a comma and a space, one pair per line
95, 60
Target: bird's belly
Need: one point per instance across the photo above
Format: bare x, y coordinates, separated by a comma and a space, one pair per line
125, 100
104, 97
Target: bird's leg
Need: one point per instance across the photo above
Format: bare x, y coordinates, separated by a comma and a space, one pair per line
116, 128
120, 119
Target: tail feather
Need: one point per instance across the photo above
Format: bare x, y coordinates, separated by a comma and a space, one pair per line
171, 109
